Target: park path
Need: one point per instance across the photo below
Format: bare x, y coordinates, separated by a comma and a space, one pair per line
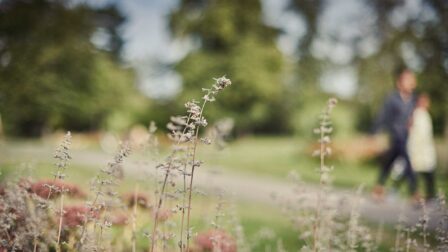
243, 187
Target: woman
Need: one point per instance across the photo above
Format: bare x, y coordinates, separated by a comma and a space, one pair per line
421, 148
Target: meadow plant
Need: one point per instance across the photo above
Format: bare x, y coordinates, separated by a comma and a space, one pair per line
27, 218
323, 131
105, 198
319, 218
184, 133
216, 240
25, 222
238, 230
62, 156
422, 226
26, 207
442, 225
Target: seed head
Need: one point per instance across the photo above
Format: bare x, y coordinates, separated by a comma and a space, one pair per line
222, 83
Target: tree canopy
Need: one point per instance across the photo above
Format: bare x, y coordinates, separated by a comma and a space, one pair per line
234, 41
53, 72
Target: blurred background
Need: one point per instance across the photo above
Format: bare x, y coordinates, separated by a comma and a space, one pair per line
110, 67
107, 65
104, 69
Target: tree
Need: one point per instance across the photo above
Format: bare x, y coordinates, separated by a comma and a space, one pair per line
234, 41
424, 35
51, 74
309, 68
402, 34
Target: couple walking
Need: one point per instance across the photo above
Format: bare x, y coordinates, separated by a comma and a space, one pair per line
406, 118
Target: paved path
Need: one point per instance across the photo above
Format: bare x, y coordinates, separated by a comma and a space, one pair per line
243, 187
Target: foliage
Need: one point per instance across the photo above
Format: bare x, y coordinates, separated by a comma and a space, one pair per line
423, 34
28, 219
234, 41
399, 32
51, 74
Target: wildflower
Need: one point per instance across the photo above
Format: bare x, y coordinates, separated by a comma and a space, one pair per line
193, 108
222, 83
62, 156
53, 188
120, 219
216, 240
163, 215
76, 215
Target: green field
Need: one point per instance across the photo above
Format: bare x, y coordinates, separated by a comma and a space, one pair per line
265, 157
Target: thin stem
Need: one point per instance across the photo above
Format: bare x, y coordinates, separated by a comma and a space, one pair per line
408, 241
84, 226
397, 240
33, 216
156, 215
379, 235
190, 189
319, 194
162, 192
35, 245
60, 218
134, 219
184, 194
100, 238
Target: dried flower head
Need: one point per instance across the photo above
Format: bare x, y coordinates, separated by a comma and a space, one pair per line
222, 83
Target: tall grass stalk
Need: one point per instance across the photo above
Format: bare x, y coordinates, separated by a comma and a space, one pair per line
184, 198
62, 156
185, 130
190, 188
323, 131
219, 85
164, 184
134, 218
107, 177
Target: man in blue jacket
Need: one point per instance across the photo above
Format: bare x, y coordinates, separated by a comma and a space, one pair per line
395, 118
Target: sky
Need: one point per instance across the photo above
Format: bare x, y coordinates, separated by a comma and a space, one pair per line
148, 43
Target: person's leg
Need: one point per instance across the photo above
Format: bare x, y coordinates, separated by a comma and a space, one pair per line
398, 181
378, 190
408, 172
430, 185
390, 157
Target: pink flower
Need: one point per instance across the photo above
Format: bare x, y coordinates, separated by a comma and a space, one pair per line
120, 219
42, 188
164, 214
216, 239
76, 215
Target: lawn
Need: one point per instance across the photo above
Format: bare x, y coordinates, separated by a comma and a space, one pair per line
263, 156
262, 229
276, 157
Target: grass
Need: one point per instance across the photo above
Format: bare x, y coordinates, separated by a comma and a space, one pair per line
252, 219
277, 156
271, 157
